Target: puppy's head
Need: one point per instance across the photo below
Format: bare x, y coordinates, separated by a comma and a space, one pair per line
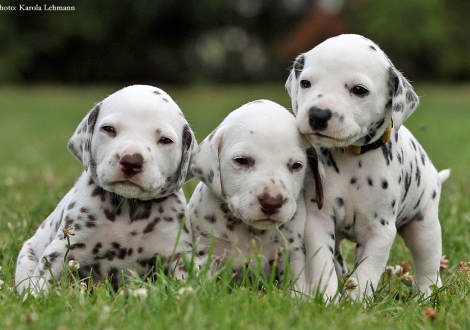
345, 91
255, 161
135, 143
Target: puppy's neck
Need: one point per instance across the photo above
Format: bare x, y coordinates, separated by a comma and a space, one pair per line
359, 150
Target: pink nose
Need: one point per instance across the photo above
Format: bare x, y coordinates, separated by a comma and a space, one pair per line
269, 204
131, 164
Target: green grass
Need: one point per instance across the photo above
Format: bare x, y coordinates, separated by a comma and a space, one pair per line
36, 171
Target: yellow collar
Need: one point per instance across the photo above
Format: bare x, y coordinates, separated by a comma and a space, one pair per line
358, 150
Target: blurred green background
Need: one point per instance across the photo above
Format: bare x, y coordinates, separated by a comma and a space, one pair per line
220, 41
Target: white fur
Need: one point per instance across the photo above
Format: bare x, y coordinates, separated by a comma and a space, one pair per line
372, 196
118, 218
226, 210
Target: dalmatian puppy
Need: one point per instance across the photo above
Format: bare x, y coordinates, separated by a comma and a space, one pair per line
350, 102
126, 211
250, 205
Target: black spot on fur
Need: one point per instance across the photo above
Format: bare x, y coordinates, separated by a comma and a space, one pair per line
407, 186
99, 192
419, 201
210, 176
331, 250
417, 174
97, 248
329, 157
398, 107
151, 226
211, 218
51, 258
384, 184
299, 65
68, 221
333, 217
92, 117
111, 216
410, 96
387, 152
144, 214
339, 201
77, 246
90, 224
122, 253
422, 155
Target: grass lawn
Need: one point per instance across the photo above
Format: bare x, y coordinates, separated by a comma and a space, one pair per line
36, 170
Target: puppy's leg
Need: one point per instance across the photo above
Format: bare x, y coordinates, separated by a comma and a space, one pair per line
340, 264
50, 267
423, 237
319, 245
297, 264
372, 251
25, 266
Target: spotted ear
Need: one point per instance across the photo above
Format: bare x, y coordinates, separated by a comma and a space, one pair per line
205, 164
292, 83
189, 145
404, 99
80, 142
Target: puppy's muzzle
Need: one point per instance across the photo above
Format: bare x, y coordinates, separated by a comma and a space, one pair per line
131, 164
270, 205
318, 118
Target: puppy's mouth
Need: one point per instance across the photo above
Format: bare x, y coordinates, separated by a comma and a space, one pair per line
127, 184
264, 223
130, 189
332, 141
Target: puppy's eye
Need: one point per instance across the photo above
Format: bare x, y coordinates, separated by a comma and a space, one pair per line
296, 166
109, 129
165, 140
244, 161
359, 91
305, 83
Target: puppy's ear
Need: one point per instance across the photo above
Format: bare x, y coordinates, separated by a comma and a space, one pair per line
292, 83
189, 145
404, 99
80, 142
205, 164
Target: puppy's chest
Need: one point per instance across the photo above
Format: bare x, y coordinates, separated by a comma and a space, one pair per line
360, 189
249, 240
122, 232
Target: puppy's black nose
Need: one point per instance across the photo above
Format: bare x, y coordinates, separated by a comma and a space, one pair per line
269, 204
131, 164
318, 118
